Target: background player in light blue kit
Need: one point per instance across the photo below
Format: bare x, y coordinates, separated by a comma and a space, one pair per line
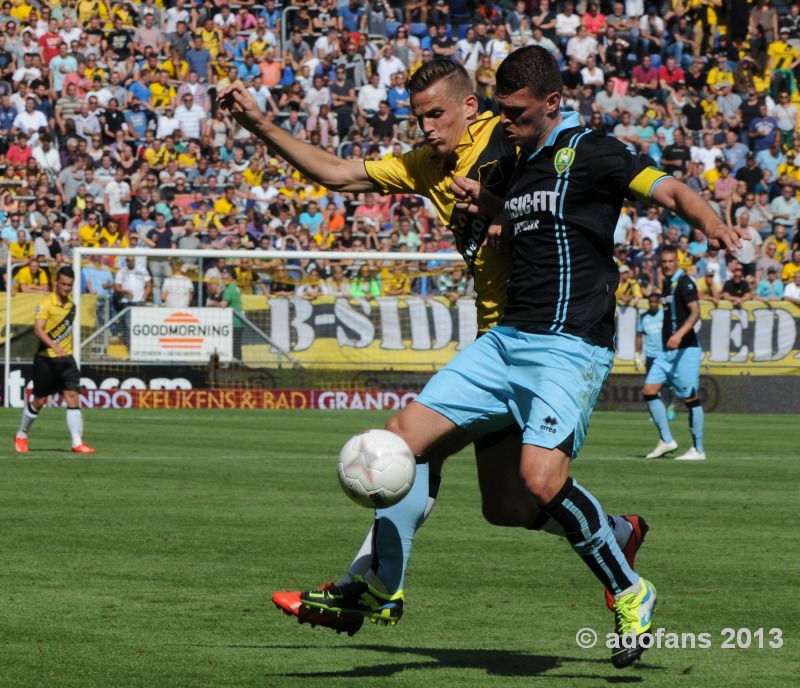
679, 363
649, 344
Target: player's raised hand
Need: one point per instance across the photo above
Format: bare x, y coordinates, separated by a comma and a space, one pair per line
237, 100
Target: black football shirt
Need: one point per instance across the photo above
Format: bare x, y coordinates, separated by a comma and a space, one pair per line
563, 206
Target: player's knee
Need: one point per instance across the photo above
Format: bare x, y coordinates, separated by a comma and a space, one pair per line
540, 486
395, 424
650, 397
692, 402
544, 471
650, 391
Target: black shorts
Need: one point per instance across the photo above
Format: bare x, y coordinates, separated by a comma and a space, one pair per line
490, 439
51, 375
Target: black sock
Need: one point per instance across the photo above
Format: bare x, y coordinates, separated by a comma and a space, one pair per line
586, 528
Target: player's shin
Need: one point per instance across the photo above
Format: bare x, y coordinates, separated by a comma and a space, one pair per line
29, 415
396, 526
587, 530
75, 425
696, 417
620, 527
658, 412
363, 560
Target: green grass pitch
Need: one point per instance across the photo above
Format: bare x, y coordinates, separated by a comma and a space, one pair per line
152, 563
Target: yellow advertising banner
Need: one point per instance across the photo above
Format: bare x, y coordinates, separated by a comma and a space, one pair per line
423, 334
23, 306
412, 333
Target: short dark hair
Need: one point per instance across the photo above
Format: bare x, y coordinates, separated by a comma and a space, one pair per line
532, 67
65, 271
669, 248
437, 70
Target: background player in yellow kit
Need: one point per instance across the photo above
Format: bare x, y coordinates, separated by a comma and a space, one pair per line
54, 368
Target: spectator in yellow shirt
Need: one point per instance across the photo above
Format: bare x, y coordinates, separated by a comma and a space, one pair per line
162, 93
212, 37
176, 68
225, 205
32, 279
86, 10
685, 257
91, 232
254, 174
628, 289
205, 218
113, 236
790, 269
21, 11
781, 243
188, 158
22, 249
395, 280
157, 155
719, 76
783, 58
91, 70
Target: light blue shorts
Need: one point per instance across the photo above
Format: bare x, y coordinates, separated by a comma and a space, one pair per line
679, 367
547, 383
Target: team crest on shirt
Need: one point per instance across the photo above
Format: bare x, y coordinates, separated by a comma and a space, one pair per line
564, 159
490, 174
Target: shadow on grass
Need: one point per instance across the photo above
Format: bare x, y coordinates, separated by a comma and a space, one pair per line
507, 663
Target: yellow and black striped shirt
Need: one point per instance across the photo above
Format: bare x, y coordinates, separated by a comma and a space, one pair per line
483, 154
58, 319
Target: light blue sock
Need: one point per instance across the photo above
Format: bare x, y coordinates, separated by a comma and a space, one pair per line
394, 531
658, 412
696, 424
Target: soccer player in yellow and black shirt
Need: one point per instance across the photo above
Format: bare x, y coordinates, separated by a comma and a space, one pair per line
460, 142
54, 368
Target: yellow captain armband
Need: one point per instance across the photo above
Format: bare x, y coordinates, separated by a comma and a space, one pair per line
643, 184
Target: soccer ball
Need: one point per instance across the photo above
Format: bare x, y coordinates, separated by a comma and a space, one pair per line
376, 468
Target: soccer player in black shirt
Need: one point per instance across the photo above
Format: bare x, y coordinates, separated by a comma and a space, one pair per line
679, 362
544, 365
546, 362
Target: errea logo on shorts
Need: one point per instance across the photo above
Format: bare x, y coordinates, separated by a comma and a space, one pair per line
538, 201
549, 425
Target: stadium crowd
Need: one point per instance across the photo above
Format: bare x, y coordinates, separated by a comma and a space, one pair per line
110, 135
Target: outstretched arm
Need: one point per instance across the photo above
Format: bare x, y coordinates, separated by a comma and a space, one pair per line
312, 162
694, 209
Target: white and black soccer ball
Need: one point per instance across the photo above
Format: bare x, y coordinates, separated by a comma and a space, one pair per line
376, 468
